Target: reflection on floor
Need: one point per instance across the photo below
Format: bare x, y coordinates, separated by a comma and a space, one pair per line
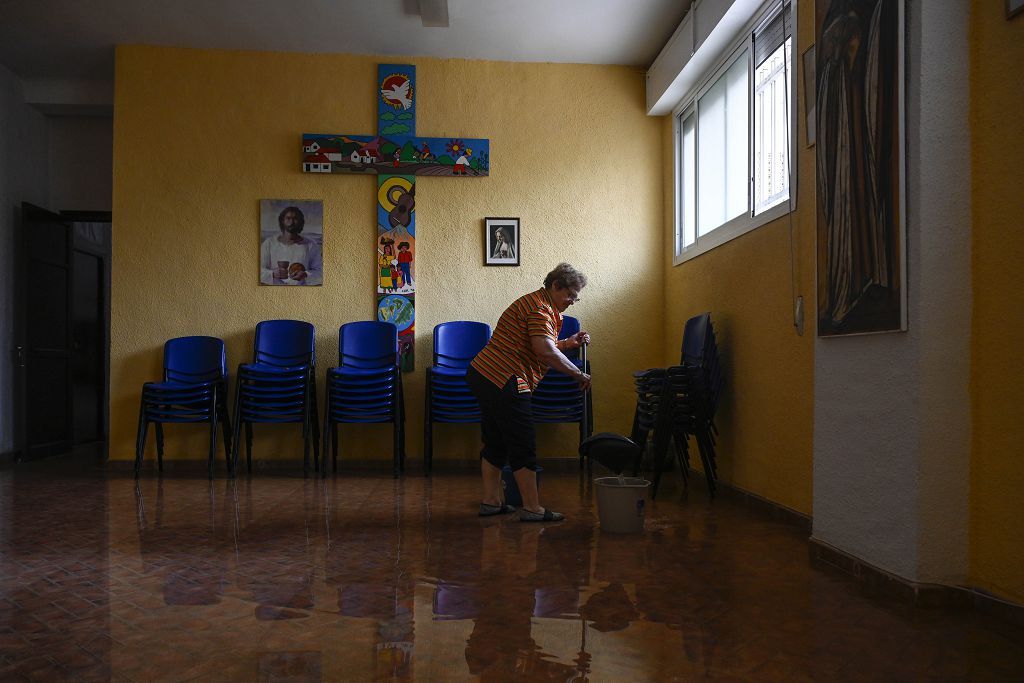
367, 578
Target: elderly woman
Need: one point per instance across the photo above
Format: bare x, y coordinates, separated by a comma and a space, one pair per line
503, 376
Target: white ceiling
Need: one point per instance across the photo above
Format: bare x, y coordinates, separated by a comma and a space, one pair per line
75, 39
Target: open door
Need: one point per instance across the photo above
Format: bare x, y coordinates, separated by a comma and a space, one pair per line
43, 334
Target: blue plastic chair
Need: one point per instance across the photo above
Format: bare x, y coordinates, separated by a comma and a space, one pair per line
279, 386
194, 389
366, 386
447, 397
558, 398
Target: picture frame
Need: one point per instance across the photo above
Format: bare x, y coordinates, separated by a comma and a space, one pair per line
810, 95
1013, 8
861, 270
501, 241
291, 242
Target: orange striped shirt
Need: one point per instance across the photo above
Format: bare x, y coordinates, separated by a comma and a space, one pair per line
509, 353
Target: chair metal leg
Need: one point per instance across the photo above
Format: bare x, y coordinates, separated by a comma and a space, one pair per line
140, 437
306, 434
334, 445
682, 457
661, 437
248, 445
159, 446
236, 431
213, 436
326, 442
225, 424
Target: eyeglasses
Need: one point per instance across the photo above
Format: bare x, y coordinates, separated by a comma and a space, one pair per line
573, 296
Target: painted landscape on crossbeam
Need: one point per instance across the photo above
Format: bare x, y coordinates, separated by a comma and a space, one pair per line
395, 154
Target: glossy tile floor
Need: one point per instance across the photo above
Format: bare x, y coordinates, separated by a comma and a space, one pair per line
366, 578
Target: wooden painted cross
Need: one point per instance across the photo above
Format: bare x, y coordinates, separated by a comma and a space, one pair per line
396, 156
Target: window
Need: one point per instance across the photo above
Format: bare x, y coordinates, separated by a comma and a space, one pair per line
734, 135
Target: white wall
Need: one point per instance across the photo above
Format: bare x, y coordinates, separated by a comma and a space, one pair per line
23, 177
892, 411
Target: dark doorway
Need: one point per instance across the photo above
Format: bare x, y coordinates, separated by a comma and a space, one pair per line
90, 301
43, 333
62, 329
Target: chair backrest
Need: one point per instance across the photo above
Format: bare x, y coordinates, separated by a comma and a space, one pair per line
194, 359
456, 343
285, 343
570, 326
695, 334
368, 344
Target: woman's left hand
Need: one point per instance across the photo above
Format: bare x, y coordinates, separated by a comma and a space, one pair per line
579, 339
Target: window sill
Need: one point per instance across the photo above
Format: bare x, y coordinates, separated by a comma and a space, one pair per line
727, 232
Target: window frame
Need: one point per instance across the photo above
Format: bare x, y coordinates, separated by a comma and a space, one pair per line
747, 221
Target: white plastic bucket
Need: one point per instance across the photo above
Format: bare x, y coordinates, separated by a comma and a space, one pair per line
621, 503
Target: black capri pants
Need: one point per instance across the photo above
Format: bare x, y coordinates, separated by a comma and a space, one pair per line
506, 422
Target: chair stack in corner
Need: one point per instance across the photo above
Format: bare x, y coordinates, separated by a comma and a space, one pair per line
680, 401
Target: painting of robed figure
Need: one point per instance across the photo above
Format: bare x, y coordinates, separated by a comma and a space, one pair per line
860, 167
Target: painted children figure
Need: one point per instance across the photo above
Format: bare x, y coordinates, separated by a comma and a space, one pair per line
405, 262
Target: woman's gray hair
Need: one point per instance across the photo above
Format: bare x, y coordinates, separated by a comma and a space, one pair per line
567, 276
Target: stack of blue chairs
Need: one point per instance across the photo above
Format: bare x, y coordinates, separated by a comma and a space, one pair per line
279, 386
558, 398
447, 397
680, 401
194, 389
366, 387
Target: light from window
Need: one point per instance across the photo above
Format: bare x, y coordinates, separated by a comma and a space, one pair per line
722, 154
734, 136
688, 189
771, 129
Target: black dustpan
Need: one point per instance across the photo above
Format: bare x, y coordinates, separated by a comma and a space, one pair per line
614, 451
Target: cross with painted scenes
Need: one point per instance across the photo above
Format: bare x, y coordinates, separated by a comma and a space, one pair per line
396, 156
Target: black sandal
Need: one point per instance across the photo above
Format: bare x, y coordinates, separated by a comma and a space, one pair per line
487, 510
547, 516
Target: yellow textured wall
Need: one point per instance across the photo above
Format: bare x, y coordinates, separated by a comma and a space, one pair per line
201, 136
997, 162
767, 415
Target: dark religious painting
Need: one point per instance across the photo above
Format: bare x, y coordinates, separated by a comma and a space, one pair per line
861, 251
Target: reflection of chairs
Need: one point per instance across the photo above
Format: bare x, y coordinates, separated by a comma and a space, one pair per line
279, 386
194, 389
190, 556
366, 387
558, 398
447, 397
455, 601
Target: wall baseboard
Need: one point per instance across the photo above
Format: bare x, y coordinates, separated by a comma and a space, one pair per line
873, 580
876, 581
762, 505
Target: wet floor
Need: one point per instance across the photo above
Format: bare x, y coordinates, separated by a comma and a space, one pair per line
367, 578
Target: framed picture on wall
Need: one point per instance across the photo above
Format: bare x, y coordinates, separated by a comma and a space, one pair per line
291, 242
861, 207
501, 241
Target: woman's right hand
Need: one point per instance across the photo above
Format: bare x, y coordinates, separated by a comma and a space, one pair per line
583, 380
